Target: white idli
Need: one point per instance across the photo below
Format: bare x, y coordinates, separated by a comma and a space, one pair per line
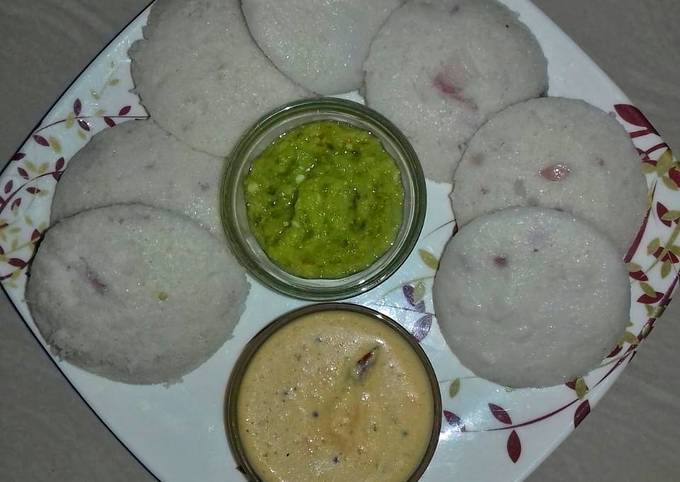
137, 162
558, 153
320, 45
531, 297
438, 70
133, 293
202, 77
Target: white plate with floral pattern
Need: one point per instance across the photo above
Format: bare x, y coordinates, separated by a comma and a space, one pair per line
489, 433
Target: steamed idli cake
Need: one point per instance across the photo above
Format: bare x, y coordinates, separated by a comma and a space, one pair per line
531, 297
137, 162
557, 153
438, 69
320, 45
133, 293
202, 77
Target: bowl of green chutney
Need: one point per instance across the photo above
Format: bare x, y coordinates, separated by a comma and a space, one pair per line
323, 199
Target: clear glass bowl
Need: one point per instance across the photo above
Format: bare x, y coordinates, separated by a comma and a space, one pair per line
239, 370
235, 219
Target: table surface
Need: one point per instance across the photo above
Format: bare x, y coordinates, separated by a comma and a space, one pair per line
48, 433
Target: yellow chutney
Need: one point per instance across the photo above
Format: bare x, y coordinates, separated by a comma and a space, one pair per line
336, 395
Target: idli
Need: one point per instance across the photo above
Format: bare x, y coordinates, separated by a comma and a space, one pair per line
137, 162
557, 153
531, 297
320, 45
439, 69
133, 293
201, 76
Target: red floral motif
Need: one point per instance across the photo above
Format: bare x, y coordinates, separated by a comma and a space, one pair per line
674, 175
649, 299
581, 413
514, 447
41, 140
500, 414
633, 115
454, 420
422, 327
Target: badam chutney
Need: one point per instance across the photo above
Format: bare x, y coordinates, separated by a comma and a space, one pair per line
324, 200
336, 396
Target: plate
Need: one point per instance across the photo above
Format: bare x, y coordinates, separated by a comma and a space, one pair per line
490, 432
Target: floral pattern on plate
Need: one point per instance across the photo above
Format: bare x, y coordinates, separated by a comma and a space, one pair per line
499, 432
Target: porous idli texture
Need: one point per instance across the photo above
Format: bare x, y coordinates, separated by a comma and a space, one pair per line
531, 297
320, 45
438, 69
202, 77
136, 294
138, 162
557, 153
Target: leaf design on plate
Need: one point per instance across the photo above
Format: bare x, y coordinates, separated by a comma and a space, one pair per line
22, 172
581, 388
500, 414
514, 447
673, 216
638, 237
109, 122
41, 140
646, 330
581, 413
666, 268
54, 144
8, 186
673, 178
18, 262
59, 165
454, 388
633, 115
418, 291
408, 291
84, 125
664, 163
635, 272
661, 211
429, 259
630, 338
653, 245
422, 327
33, 190
77, 106
615, 351
663, 254
124, 110
454, 420
650, 299
18, 156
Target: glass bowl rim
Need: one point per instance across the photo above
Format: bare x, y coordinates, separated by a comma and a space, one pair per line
255, 343
373, 275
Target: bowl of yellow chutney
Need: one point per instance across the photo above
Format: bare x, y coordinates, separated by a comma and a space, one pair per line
333, 391
323, 199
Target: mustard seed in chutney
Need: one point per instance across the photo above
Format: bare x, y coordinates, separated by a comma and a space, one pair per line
324, 200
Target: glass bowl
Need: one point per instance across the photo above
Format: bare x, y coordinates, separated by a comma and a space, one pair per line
241, 365
233, 209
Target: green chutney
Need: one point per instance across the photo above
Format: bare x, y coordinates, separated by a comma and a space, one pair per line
324, 200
